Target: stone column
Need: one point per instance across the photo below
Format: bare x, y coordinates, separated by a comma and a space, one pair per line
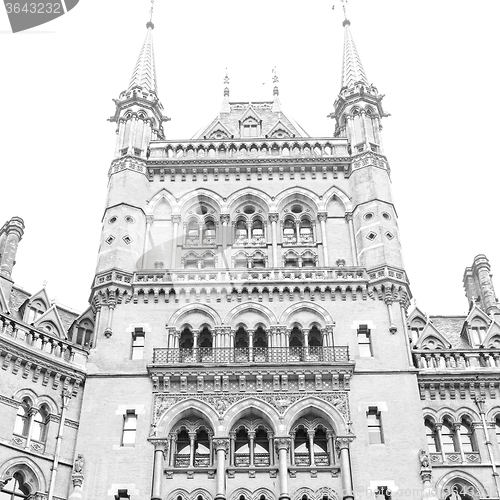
196, 335
251, 447
224, 218
111, 309
13, 234
173, 446
121, 134
330, 435
282, 446
176, 220
273, 218
232, 448
221, 448
161, 451
388, 302
354, 252
292, 447
343, 444
305, 333
31, 417
192, 439
250, 344
322, 217
310, 435
270, 437
149, 221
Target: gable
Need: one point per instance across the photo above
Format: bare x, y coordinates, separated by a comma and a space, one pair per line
218, 131
280, 130
432, 338
51, 322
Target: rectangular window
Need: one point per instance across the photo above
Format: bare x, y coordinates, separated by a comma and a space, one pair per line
138, 344
364, 342
129, 428
374, 426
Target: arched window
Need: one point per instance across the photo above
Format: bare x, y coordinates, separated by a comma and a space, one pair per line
432, 441
306, 231
209, 261
315, 340
84, 334
40, 424
416, 328
448, 438
36, 309
191, 261
14, 488
257, 231
241, 234
478, 329
258, 260
291, 260
497, 429
186, 345
241, 261
193, 233
209, 232
22, 419
289, 235
309, 259
191, 446
467, 440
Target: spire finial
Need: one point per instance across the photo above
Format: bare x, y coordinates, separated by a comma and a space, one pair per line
344, 8
275, 81
151, 11
226, 83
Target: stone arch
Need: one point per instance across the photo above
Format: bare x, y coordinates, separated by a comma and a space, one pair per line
189, 309
260, 309
493, 413
448, 479
29, 394
184, 409
268, 494
247, 406
322, 408
312, 306
245, 492
201, 195
29, 470
335, 191
246, 195
309, 492
161, 195
470, 414
297, 194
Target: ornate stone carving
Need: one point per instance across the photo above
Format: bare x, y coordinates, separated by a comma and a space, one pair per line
425, 466
221, 444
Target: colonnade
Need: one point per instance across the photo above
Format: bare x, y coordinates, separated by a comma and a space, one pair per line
222, 446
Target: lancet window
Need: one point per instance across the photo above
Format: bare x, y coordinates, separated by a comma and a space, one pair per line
32, 423
478, 330
312, 443
15, 488
251, 443
191, 445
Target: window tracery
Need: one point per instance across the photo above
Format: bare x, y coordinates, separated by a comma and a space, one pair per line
312, 443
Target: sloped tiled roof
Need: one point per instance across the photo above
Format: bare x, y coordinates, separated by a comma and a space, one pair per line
451, 327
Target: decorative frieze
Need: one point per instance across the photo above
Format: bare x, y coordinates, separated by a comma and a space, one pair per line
469, 386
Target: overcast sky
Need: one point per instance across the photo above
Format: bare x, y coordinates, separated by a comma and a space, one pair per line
436, 61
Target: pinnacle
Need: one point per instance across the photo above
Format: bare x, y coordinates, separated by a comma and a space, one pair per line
144, 74
352, 70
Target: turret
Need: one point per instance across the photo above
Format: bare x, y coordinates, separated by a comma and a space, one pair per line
479, 286
358, 112
11, 234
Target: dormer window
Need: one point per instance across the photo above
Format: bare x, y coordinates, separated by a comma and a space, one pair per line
250, 128
478, 329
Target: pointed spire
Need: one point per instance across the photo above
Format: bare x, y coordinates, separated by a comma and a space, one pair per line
276, 92
226, 108
352, 69
144, 74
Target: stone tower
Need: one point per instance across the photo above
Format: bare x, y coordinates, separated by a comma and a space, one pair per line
250, 302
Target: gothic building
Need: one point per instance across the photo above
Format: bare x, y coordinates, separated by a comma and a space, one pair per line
249, 335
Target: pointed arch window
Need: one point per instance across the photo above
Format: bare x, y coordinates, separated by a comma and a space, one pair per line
15, 488
209, 232
257, 231
448, 438
291, 260
193, 233
467, 440
432, 439
241, 233
416, 328
477, 330
36, 309
289, 234
306, 231
21, 424
40, 425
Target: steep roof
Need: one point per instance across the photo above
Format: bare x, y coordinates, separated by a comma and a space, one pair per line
263, 112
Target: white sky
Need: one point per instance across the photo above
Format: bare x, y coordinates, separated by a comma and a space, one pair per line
436, 61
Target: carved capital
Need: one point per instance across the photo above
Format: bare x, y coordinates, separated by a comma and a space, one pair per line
176, 219
282, 443
343, 442
322, 216
274, 217
480, 402
221, 444
426, 474
77, 480
225, 218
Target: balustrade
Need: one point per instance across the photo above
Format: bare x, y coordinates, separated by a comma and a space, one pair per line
457, 359
163, 355
304, 459
38, 339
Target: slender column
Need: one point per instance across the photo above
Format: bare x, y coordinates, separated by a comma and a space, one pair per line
437, 429
192, 439
224, 218
196, 335
305, 333
173, 446
221, 448
249, 231
57, 454
331, 452
456, 432
310, 435
161, 451
392, 328
232, 449
250, 345
31, 417
343, 446
149, 221
480, 402
292, 447
98, 308
200, 234
119, 141
350, 125
354, 251
133, 127
322, 216
364, 129
251, 437
270, 437
273, 218
176, 219
111, 308
282, 446
211, 441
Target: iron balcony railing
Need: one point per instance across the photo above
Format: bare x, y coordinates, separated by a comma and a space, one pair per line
218, 355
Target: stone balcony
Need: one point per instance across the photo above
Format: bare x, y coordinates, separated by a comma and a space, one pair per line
250, 355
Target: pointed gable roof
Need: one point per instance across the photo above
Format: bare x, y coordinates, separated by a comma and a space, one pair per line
144, 74
40, 295
492, 339
417, 313
218, 126
4, 305
280, 126
475, 312
432, 338
250, 113
52, 316
352, 68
